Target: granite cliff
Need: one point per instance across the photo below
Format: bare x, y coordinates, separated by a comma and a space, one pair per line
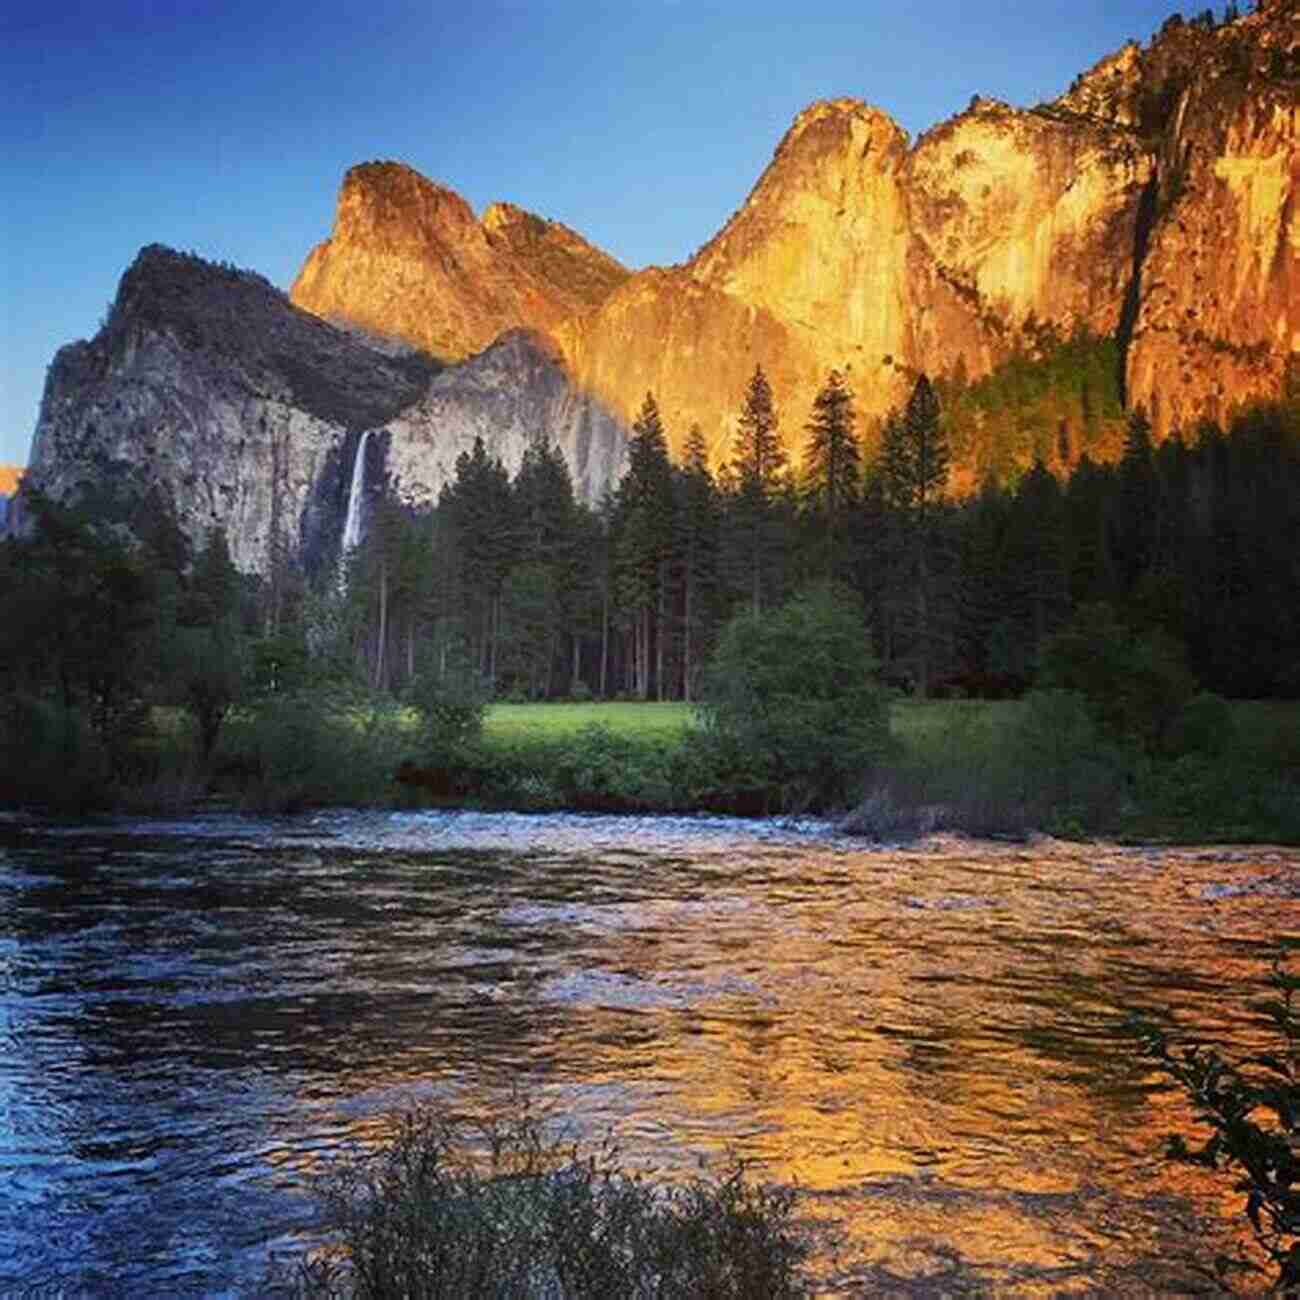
408, 259
207, 385
1153, 200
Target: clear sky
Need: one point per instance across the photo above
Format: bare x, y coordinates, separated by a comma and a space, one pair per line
224, 126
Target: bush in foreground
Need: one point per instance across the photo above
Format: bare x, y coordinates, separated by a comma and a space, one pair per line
793, 697
498, 1211
1252, 1111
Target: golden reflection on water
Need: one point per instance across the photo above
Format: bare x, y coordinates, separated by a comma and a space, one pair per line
927, 1042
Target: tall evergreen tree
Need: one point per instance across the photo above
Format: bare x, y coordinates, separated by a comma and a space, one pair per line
644, 547
1037, 591
833, 465
543, 601
758, 471
479, 508
982, 596
209, 650
914, 463
698, 541
1135, 514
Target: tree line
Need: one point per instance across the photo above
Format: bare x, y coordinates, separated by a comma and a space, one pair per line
516, 582
1196, 537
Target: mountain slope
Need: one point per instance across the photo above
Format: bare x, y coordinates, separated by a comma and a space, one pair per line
1154, 200
207, 386
407, 258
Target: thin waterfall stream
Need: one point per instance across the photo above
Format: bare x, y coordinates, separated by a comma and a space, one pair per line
352, 521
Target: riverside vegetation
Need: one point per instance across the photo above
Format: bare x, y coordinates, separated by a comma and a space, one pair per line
500, 1209
163, 698
809, 621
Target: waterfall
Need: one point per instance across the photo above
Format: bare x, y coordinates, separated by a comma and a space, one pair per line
352, 524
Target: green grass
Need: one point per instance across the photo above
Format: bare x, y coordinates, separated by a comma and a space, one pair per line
635, 720
984, 767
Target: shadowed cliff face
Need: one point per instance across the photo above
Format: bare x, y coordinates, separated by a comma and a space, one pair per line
207, 386
408, 258
1153, 199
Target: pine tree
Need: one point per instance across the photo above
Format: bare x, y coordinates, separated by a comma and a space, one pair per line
1038, 601
914, 465
207, 648
983, 596
480, 510
833, 464
644, 524
698, 540
1135, 517
758, 471
546, 516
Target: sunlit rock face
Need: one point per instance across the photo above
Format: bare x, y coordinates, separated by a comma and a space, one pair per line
1219, 320
857, 251
813, 271
1029, 214
407, 258
209, 389
1154, 200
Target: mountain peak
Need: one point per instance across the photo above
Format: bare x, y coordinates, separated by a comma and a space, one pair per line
462, 281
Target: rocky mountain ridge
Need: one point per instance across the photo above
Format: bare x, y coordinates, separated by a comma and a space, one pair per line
407, 258
1154, 201
859, 249
207, 386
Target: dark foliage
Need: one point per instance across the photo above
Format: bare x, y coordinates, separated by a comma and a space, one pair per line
1252, 1110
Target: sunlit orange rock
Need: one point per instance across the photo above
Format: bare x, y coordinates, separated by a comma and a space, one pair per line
1153, 200
407, 258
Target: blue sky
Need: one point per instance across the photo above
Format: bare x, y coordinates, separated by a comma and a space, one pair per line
224, 126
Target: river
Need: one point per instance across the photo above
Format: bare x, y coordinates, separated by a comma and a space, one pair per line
196, 1016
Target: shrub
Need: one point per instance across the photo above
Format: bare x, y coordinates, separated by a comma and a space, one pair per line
600, 770
1252, 1109
50, 755
1204, 725
324, 745
499, 1210
795, 696
1135, 684
451, 700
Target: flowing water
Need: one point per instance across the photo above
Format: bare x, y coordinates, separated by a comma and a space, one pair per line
352, 520
196, 1016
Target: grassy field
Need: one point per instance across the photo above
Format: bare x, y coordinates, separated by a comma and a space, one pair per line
514, 722
921, 725
1266, 729
986, 767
